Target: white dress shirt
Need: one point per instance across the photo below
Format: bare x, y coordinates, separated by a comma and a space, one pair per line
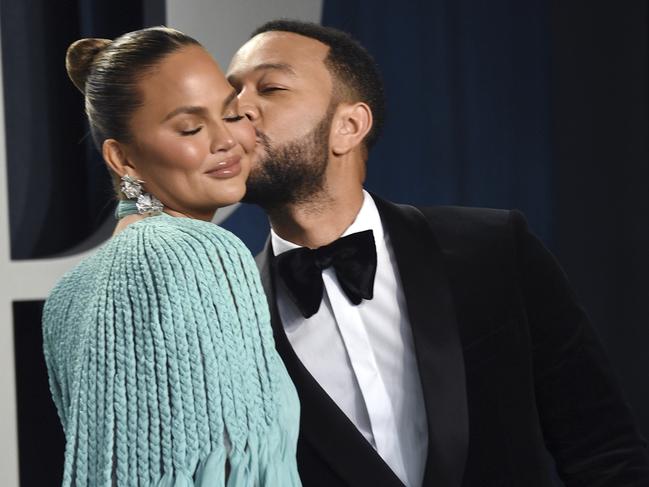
363, 356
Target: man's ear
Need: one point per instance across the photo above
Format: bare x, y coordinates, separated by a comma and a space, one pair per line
350, 125
116, 158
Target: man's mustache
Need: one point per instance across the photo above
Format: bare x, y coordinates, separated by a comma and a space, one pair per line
263, 139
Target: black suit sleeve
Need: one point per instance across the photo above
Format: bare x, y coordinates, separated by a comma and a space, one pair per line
587, 425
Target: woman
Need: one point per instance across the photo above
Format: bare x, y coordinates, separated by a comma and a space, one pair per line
159, 348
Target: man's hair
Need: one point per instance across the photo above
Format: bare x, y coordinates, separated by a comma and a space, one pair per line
352, 68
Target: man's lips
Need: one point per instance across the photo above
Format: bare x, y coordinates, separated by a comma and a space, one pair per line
227, 168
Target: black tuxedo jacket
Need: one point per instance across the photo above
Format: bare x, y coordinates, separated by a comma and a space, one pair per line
509, 365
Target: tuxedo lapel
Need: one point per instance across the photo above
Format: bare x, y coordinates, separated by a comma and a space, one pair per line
322, 423
436, 339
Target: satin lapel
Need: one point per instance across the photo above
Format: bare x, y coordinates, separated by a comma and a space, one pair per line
436, 338
322, 423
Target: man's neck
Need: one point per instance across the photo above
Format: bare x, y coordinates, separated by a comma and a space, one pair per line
319, 221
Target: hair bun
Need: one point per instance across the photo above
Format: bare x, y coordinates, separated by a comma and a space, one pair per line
79, 59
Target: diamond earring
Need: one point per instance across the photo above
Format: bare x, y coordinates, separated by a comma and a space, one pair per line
146, 203
131, 187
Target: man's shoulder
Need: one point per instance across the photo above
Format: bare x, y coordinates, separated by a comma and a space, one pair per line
470, 231
466, 218
460, 222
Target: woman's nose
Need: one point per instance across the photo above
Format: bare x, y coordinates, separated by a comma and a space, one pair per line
223, 140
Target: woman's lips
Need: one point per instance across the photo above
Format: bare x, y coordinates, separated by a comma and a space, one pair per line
228, 168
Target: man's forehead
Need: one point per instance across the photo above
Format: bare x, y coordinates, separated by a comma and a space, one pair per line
277, 47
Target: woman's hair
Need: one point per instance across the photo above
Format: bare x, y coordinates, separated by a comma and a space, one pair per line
107, 73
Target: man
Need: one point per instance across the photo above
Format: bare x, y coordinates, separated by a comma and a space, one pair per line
432, 346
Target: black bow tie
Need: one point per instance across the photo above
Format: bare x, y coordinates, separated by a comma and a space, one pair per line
353, 258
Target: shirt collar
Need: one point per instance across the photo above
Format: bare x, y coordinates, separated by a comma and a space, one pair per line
368, 218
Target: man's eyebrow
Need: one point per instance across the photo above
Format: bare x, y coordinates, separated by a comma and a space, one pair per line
283, 67
287, 68
197, 110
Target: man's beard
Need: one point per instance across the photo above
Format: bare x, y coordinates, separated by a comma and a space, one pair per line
293, 173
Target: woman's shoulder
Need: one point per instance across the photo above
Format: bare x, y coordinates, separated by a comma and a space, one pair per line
169, 246
162, 245
78, 277
177, 231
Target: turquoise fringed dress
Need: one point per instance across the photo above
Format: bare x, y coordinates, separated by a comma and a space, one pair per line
162, 364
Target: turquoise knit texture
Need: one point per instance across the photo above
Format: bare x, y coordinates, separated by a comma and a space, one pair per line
162, 364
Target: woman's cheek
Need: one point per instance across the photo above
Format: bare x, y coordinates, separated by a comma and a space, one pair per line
183, 155
244, 133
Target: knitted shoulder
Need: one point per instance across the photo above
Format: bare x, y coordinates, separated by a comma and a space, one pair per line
163, 247
71, 300
72, 283
185, 233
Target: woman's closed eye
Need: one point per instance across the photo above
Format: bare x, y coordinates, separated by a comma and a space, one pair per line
191, 131
233, 118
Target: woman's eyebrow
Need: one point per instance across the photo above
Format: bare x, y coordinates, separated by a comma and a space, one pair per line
191, 110
198, 110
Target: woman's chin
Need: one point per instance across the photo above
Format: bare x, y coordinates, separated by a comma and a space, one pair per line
231, 195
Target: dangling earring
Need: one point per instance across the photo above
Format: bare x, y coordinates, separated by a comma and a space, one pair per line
146, 203
131, 187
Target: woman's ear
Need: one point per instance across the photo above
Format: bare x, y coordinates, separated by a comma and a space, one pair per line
115, 156
350, 125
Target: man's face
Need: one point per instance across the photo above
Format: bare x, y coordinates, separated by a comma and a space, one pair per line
285, 90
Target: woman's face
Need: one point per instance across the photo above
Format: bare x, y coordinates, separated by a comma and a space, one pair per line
190, 145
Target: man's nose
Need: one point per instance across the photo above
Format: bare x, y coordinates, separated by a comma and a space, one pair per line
251, 112
247, 106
